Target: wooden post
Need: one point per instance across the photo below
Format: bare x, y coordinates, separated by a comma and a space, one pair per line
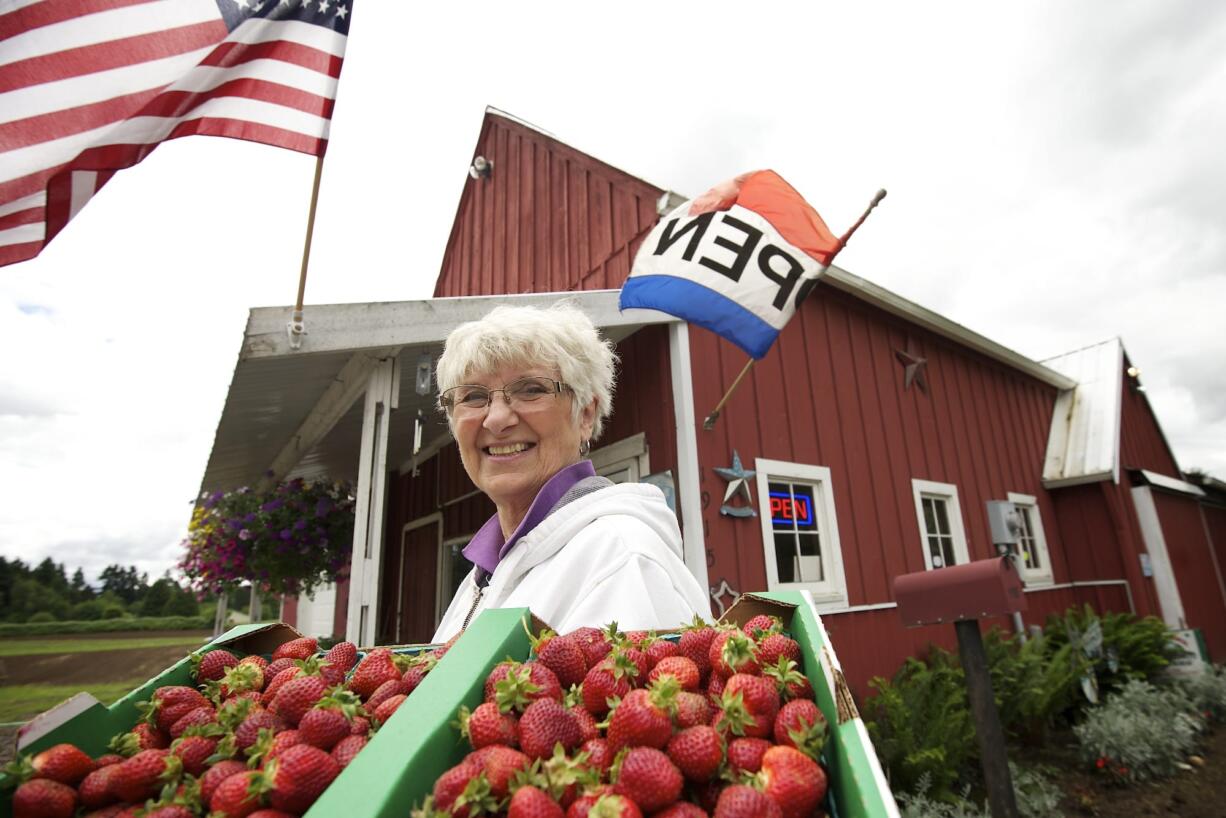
254, 614
992, 753
219, 618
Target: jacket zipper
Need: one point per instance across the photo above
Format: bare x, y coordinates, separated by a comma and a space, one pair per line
477, 589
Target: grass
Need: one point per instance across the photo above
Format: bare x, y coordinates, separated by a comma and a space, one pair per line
47, 645
23, 702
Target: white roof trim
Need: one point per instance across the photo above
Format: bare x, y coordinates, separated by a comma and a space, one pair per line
1161, 481
1084, 439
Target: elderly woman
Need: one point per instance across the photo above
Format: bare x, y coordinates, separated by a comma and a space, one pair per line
526, 391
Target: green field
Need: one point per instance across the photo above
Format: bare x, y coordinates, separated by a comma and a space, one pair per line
68, 644
21, 702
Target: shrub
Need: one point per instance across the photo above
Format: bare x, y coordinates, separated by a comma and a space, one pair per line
1207, 693
921, 724
1142, 647
1140, 733
113, 612
41, 616
161, 623
1033, 685
1036, 796
88, 610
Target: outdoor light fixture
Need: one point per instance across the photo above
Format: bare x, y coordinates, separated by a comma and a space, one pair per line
1135, 373
481, 168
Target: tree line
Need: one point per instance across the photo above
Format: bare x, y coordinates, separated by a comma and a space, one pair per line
45, 593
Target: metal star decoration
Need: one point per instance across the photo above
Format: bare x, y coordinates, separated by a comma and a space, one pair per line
738, 484
914, 368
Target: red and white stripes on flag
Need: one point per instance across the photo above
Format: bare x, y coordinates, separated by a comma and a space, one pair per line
88, 87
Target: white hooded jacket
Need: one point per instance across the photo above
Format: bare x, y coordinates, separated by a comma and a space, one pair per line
611, 555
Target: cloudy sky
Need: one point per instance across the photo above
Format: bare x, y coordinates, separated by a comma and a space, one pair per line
1055, 177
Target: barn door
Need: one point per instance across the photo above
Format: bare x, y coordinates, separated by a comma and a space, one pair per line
419, 550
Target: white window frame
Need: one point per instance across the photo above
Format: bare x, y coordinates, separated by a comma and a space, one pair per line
1034, 576
627, 455
832, 592
949, 493
443, 594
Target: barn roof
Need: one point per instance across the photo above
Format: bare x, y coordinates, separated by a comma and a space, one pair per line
1083, 445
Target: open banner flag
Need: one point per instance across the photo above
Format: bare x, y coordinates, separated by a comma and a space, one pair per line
737, 260
88, 87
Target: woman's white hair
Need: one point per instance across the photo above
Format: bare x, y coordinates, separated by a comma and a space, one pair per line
560, 336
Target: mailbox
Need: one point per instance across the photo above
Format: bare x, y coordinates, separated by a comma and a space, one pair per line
969, 591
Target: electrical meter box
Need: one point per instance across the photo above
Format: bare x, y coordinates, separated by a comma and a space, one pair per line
1005, 522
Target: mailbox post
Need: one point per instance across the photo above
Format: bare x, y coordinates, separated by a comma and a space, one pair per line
962, 594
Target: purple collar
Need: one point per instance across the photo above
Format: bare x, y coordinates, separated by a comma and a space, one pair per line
486, 549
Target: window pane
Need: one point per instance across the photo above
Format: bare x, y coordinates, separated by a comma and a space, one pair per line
809, 561
782, 516
929, 520
942, 516
804, 507
934, 550
785, 556
948, 545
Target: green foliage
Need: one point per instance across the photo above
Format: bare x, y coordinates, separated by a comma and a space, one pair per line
1142, 647
161, 623
113, 612
1033, 683
921, 726
1140, 733
1037, 796
87, 611
1207, 693
42, 616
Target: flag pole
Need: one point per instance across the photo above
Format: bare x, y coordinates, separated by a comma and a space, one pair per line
708, 422
296, 327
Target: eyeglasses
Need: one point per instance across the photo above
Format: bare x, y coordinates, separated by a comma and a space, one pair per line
521, 395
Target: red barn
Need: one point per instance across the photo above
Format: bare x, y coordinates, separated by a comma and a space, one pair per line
876, 431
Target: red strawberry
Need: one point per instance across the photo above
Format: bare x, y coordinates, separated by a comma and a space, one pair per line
697, 752
297, 696
801, 725
234, 796
95, 789
604, 806
695, 644
455, 783
255, 659
139, 777
375, 668
330, 720
415, 676
193, 751
245, 677
296, 649
743, 801
343, 655
593, 642
641, 664
214, 775
296, 777
108, 759
65, 763
745, 754
270, 813
193, 718
562, 655
658, 649
279, 681
642, 719
44, 798
529, 802
648, 776
599, 756
544, 723
692, 709
682, 809
168, 811
499, 673
776, 647
392, 687
388, 707
750, 705
588, 728
793, 781
609, 679
172, 703
733, 652
788, 679
212, 665
271, 746
762, 625
681, 667
500, 764
279, 665
347, 748
360, 726
715, 688
526, 683
488, 725
248, 732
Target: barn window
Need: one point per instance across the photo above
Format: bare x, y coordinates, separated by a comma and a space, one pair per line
1033, 560
800, 535
940, 523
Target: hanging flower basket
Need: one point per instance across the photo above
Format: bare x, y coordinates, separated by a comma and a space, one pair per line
285, 541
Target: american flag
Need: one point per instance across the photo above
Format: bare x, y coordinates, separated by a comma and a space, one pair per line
88, 87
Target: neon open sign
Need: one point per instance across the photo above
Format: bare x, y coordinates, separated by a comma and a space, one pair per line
788, 509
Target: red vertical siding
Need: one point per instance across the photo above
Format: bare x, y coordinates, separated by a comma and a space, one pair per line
548, 218
1215, 524
1200, 586
1142, 444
